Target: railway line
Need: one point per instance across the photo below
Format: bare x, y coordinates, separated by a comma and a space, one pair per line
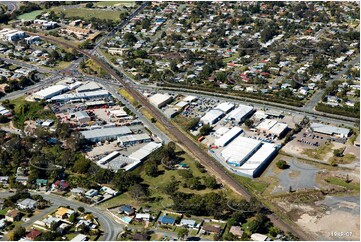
184, 141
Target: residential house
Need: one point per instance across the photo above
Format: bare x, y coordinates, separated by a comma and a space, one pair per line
22, 179
50, 220
27, 203
166, 220
212, 229
188, 223
140, 237
33, 234
80, 237
236, 231
91, 193
127, 209
142, 216
60, 185
259, 237
77, 191
41, 182
4, 180
63, 212
2, 223
12, 215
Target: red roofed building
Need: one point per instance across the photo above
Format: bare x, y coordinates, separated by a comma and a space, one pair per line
61, 185
265, 74
33, 234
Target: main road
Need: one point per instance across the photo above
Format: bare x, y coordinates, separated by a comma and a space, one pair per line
110, 227
183, 140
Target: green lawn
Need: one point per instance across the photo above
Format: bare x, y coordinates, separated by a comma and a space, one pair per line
85, 13
30, 16
159, 200
320, 152
341, 182
3, 211
258, 186
115, 3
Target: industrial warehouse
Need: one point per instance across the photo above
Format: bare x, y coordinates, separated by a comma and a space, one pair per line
245, 156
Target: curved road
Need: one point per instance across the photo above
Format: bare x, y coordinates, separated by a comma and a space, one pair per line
184, 141
109, 226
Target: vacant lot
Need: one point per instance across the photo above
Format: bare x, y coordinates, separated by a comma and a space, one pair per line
114, 3
85, 13
30, 16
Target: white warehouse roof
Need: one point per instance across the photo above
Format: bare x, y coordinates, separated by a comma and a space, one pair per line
229, 136
146, 150
160, 99
50, 91
211, 116
240, 150
257, 159
330, 130
278, 128
133, 138
107, 132
225, 107
266, 124
239, 113
190, 99
83, 95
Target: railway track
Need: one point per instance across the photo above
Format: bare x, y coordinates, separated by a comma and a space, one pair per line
179, 137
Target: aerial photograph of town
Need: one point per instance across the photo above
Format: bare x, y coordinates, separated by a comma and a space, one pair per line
179, 120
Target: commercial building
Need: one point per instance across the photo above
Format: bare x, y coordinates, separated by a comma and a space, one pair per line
88, 87
81, 96
82, 117
170, 112
225, 107
241, 113
108, 158
259, 160
278, 129
270, 126
181, 104
212, 117
145, 151
133, 139
239, 150
190, 99
32, 39
160, 100
221, 131
97, 135
330, 130
50, 92
266, 125
228, 137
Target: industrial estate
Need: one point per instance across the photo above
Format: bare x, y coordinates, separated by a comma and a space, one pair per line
158, 121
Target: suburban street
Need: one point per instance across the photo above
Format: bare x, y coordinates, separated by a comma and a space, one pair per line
108, 225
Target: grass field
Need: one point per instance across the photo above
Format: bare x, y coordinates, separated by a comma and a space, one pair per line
346, 159
85, 13
114, 3
258, 186
341, 182
157, 199
320, 152
4, 211
30, 16
129, 97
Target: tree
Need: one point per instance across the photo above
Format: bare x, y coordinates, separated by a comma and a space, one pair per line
81, 209
89, 5
19, 232
282, 164
338, 152
194, 183
81, 165
248, 123
153, 120
72, 218
210, 182
137, 191
182, 233
151, 169
11, 236
205, 130
3, 119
